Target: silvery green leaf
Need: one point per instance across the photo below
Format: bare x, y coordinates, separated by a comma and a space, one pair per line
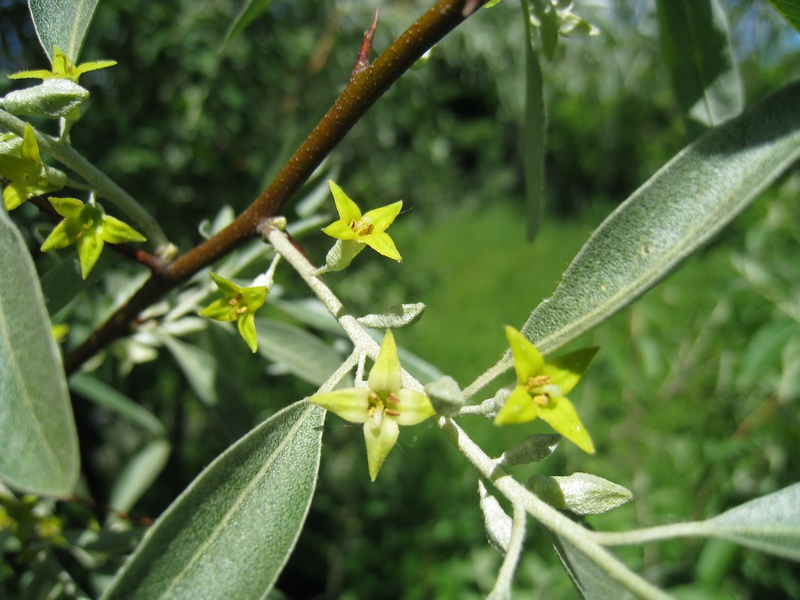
580, 493
231, 532
667, 219
533, 448
445, 395
62, 23
497, 523
51, 98
394, 317
38, 440
769, 524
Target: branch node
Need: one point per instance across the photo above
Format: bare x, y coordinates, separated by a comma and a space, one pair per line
270, 223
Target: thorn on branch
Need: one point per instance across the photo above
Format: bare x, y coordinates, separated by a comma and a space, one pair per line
362, 62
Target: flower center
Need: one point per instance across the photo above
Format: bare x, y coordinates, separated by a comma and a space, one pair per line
385, 405
237, 310
362, 227
541, 390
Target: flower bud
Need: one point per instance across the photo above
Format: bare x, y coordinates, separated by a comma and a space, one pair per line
580, 493
533, 448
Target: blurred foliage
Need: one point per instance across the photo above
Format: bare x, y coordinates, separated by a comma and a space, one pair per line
678, 411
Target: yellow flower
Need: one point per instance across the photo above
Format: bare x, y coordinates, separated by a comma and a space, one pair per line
541, 389
89, 228
382, 406
239, 304
354, 230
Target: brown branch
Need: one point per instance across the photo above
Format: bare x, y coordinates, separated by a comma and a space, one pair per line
361, 92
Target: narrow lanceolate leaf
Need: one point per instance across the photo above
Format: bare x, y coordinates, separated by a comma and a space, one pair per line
230, 533
534, 131
139, 474
695, 43
769, 524
62, 23
674, 213
790, 9
38, 442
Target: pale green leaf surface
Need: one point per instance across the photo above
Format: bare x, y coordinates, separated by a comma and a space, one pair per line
769, 524
139, 474
62, 23
250, 11
104, 395
38, 441
679, 209
696, 47
303, 354
230, 533
790, 9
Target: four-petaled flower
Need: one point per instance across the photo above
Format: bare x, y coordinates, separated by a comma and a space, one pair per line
354, 230
239, 304
541, 389
21, 164
382, 406
89, 228
64, 68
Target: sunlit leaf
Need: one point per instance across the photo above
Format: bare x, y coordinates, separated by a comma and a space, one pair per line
230, 533
696, 47
38, 441
679, 209
62, 23
769, 524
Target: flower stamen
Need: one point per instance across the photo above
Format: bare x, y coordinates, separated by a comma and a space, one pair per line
536, 381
